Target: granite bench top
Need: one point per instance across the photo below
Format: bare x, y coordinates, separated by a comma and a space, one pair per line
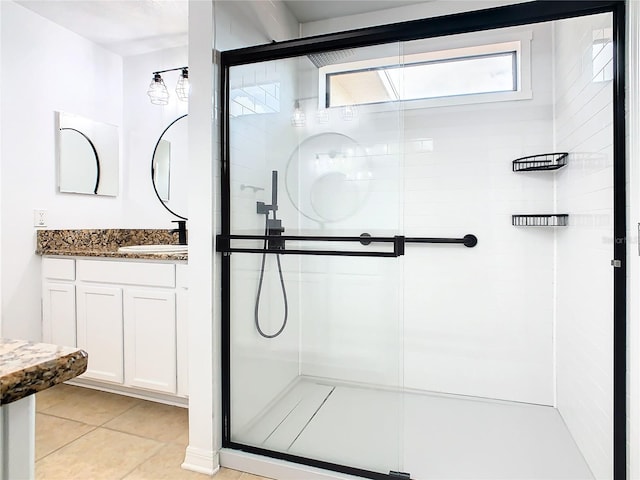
27, 367
105, 243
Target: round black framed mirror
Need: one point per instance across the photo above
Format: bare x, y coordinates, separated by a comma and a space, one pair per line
79, 162
328, 177
169, 167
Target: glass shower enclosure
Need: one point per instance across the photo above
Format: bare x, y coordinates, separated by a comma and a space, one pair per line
402, 293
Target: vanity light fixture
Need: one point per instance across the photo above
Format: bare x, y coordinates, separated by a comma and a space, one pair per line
158, 93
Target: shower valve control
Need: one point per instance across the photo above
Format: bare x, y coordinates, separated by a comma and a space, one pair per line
274, 227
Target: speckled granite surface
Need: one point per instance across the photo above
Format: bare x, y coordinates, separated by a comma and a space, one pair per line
105, 243
27, 368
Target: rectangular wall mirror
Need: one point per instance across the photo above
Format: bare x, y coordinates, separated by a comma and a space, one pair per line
88, 155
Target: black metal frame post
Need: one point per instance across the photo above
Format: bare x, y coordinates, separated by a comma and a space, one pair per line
488, 19
619, 249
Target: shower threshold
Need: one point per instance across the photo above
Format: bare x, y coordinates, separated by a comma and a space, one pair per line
430, 435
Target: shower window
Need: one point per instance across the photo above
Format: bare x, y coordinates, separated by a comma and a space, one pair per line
474, 73
437, 78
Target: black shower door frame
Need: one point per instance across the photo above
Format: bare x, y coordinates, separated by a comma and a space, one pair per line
487, 19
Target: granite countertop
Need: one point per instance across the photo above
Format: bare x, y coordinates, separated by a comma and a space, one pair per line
105, 243
27, 367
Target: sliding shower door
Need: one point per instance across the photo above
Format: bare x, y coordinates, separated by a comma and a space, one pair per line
315, 276
423, 247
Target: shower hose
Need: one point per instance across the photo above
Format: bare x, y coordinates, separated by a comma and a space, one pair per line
284, 290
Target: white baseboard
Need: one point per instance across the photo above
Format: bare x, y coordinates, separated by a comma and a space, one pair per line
167, 399
274, 468
201, 461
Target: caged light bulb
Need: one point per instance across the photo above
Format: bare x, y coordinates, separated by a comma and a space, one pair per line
157, 91
183, 88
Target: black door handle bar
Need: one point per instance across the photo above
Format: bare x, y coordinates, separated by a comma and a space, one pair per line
223, 244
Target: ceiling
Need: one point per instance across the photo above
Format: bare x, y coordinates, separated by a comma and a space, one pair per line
133, 27
314, 10
126, 27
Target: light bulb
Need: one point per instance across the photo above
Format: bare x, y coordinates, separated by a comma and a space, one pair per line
157, 91
183, 88
298, 118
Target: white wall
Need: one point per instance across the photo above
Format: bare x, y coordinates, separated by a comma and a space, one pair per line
45, 69
399, 14
223, 25
584, 276
244, 24
1, 188
204, 399
143, 123
473, 321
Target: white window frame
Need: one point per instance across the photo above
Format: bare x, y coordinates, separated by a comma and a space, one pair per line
460, 46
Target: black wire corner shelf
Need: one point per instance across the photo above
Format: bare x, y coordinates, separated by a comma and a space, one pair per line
535, 220
545, 161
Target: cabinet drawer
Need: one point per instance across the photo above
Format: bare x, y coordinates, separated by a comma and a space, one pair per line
58, 268
127, 273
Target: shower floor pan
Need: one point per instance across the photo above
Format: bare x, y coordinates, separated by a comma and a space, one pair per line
431, 436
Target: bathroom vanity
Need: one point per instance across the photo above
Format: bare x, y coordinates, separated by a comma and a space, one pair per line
127, 309
27, 368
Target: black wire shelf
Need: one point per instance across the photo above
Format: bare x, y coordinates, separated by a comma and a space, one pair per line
545, 161
534, 220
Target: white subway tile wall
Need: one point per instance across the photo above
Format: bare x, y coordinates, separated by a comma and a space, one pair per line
584, 277
471, 321
488, 321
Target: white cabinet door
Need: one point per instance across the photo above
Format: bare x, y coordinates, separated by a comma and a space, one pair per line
150, 339
100, 331
59, 313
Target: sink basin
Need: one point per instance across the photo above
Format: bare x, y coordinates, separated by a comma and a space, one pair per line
154, 249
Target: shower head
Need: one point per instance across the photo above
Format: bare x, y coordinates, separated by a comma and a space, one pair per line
322, 59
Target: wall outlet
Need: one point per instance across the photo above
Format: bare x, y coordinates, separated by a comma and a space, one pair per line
39, 218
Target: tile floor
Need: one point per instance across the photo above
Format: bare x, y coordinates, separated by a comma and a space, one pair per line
86, 434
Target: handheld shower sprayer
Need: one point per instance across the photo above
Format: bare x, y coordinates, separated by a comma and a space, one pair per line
272, 227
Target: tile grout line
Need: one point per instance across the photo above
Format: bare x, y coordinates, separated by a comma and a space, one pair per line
153, 452
137, 403
160, 446
111, 429
69, 419
68, 443
93, 429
